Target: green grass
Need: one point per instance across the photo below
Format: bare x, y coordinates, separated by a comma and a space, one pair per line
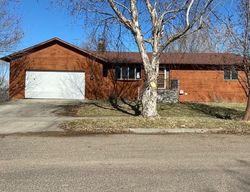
117, 117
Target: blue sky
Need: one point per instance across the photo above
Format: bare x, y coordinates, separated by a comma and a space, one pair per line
41, 21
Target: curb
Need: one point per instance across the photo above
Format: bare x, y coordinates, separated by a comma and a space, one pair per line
174, 130
139, 131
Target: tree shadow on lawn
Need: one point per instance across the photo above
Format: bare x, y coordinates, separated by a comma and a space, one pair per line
219, 112
133, 108
124, 106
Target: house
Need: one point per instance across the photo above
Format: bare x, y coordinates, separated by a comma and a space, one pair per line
57, 69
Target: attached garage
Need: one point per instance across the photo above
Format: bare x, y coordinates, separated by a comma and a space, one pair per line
55, 85
55, 69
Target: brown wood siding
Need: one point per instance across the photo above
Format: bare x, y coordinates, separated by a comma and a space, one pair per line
209, 86
59, 58
200, 85
53, 58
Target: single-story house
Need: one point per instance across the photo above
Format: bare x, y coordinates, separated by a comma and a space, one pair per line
57, 69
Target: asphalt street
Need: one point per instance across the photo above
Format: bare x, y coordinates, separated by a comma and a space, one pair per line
183, 163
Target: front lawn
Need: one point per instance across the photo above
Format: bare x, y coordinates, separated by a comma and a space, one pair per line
112, 117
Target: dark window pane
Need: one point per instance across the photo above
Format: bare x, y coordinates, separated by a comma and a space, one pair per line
226, 74
161, 70
174, 84
234, 74
132, 72
118, 72
124, 72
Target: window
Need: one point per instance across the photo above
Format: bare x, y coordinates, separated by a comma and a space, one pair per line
230, 74
174, 84
118, 73
163, 78
125, 72
132, 72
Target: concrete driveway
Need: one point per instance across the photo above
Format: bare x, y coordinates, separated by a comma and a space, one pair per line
32, 115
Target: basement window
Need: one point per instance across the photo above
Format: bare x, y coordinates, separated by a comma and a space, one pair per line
132, 72
230, 74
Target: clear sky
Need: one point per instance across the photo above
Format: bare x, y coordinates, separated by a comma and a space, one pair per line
41, 21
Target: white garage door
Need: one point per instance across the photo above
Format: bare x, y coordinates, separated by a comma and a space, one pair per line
57, 85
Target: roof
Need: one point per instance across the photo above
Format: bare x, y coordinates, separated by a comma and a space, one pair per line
177, 58
135, 58
49, 42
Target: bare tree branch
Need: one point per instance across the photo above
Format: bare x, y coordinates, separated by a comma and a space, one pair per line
154, 25
10, 32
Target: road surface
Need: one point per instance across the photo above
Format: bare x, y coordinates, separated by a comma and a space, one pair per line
181, 163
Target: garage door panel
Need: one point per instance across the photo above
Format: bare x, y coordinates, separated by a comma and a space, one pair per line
61, 85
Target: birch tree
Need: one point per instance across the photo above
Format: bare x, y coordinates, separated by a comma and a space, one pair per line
153, 25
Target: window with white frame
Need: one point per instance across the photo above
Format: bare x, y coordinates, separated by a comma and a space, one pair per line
231, 74
131, 72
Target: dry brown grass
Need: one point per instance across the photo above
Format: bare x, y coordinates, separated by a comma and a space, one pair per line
103, 117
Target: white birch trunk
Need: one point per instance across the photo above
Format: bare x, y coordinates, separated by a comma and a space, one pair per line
149, 97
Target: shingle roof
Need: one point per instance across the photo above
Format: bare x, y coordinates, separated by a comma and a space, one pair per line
176, 58
134, 57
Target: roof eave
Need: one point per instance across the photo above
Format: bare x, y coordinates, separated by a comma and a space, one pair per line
6, 59
31, 49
